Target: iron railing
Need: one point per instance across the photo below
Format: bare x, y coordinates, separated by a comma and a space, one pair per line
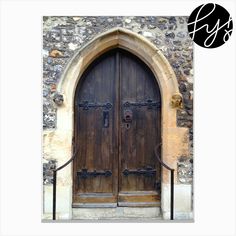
171, 181
73, 157
55, 183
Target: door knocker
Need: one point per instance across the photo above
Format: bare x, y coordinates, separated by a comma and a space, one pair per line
127, 117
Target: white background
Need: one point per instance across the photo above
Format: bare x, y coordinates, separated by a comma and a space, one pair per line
21, 111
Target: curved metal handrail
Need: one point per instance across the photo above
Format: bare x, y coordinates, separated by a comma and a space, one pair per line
171, 180
55, 182
73, 157
159, 159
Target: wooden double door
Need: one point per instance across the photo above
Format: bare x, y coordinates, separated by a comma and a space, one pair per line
117, 114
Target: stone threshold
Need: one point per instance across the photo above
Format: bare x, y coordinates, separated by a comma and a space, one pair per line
117, 213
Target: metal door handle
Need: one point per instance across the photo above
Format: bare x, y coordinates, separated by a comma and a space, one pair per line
127, 116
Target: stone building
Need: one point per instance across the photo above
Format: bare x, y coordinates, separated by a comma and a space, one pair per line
120, 178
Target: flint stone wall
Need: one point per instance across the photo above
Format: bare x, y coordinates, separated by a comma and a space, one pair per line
63, 35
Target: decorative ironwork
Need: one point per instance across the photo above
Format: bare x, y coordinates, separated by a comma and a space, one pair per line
84, 173
147, 172
128, 115
149, 104
86, 105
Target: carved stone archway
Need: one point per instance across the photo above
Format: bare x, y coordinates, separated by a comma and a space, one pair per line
174, 139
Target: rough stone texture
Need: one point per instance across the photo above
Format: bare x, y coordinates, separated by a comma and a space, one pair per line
48, 168
63, 35
185, 170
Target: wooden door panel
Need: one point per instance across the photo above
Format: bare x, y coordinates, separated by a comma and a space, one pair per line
95, 129
137, 143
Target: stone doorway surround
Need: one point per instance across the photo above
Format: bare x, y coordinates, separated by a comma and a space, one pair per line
175, 142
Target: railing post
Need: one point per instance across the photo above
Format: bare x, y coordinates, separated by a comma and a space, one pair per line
54, 191
172, 194
54, 194
171, 181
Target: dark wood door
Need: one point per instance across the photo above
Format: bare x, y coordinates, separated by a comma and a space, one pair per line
117, 125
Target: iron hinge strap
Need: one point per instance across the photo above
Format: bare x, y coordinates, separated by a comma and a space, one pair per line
149, 104
147, 172
86, 105
84, 173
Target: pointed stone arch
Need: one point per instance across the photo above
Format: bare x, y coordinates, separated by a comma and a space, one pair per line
174, 139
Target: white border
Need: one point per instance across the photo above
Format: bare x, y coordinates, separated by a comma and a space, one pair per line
21, 122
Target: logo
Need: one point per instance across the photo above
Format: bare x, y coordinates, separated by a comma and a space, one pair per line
210, 25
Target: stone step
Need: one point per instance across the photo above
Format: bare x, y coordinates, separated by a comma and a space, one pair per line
116, 213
